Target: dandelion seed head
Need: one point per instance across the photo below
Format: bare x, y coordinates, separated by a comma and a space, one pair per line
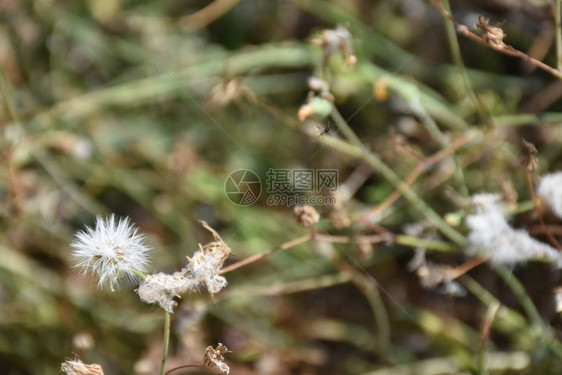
112, 249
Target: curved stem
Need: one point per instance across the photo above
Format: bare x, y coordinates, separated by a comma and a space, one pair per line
139, 273
182, 366
344, 127
209, 14
519, 290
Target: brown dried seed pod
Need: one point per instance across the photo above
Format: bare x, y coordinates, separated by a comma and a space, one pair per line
306, 216
493, 35
77, 367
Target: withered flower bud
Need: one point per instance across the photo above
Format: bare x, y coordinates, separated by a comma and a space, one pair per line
530, 162
338, 40
77, 367
493, 35
306, 216
215, 358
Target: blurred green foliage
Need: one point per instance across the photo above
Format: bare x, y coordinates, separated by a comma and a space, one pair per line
143, 109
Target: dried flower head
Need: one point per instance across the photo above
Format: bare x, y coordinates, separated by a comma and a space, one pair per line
339, 217
493, 35
113, 249
550, 189
77, 367
228, 91
440, 278
317, 85
491, 235
206, 263
317, 106
338, 40
306, 216
214, 358
379, 88
530, 163
202, 270
161, 288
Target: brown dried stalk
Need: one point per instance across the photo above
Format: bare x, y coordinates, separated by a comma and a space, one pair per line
530, 164
494, 39
418, 170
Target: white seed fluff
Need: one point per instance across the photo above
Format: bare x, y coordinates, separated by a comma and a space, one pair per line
161, 288
491, 235
550, 189
202, 270
113, 249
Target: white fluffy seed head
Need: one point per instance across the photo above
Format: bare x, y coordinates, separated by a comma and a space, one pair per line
112, 249
491, 235
550, 189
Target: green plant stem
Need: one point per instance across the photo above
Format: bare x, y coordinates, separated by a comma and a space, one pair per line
209, 14
379, 166
166, 341
558, 25
457, 55
344, 127
141, 275
440, 138
519, 291
515, 319
527, 119
427, 244
382, 319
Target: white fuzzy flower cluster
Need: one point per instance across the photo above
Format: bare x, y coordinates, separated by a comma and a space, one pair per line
112, 249
202, 270
491, 235
550, 189
161, 288
205, 265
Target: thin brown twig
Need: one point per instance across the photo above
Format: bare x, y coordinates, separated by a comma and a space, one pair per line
466, 266
533, 196
182, 366
376, 238
422, 166
502, 48
255, 258
540, 229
